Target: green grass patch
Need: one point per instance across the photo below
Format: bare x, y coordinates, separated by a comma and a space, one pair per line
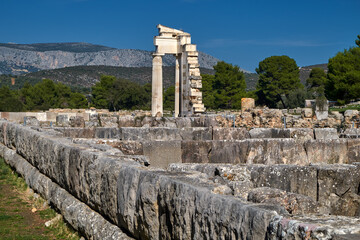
4, 217
47, 214
342, 110
16, 219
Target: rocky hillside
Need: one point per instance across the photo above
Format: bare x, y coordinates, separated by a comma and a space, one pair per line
305, 71
18, 59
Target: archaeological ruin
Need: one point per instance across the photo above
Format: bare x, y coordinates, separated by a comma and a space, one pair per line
255, 174
188, 97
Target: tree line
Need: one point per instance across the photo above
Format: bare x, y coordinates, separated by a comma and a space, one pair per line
109, 93
41, 96
279, 83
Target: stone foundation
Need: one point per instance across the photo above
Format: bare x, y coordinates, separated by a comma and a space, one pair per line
289, 185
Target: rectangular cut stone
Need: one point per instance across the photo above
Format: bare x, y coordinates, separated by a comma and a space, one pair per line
193, 53
195, 93
327, 151
247, 104
194, 65
162, 153
166, 45
290, 178
190, 48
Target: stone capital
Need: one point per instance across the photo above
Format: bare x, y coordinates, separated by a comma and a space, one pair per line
157, 54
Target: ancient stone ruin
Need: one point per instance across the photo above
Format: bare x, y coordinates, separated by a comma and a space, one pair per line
128, 175
188, 97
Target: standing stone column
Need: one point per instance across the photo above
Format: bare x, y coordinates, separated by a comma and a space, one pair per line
177, 86
157, 87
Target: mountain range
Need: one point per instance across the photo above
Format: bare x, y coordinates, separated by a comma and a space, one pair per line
18, 59
82, 64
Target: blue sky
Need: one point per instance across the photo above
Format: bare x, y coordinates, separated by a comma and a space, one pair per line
239, 32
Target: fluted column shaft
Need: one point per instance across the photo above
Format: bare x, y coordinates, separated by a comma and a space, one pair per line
157, 87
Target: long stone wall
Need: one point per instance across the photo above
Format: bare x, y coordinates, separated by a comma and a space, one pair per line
164, 145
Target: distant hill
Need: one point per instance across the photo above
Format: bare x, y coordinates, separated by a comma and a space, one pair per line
65, 47
18, 59
86, 76
305, 71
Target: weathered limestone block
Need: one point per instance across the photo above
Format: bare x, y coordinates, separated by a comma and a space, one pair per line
351, 115
198, 133
276, 151
195, 151
339, 188
77, 121
144, 209
62, 121
126, 121
31, 121
245, 119
302, 134
272, 118
292, 202
78, 132
93, 121
351, 118
108, 121
182, 122
147, 134
325, 133
327, 151
290, 178
161, 153
247, 104
104, 132
351, 133
237, 177
307, 112
269, 133
127, 147
159, 122
230, 133
337, 115
208, 121
353, 150
313, 227
233, 152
